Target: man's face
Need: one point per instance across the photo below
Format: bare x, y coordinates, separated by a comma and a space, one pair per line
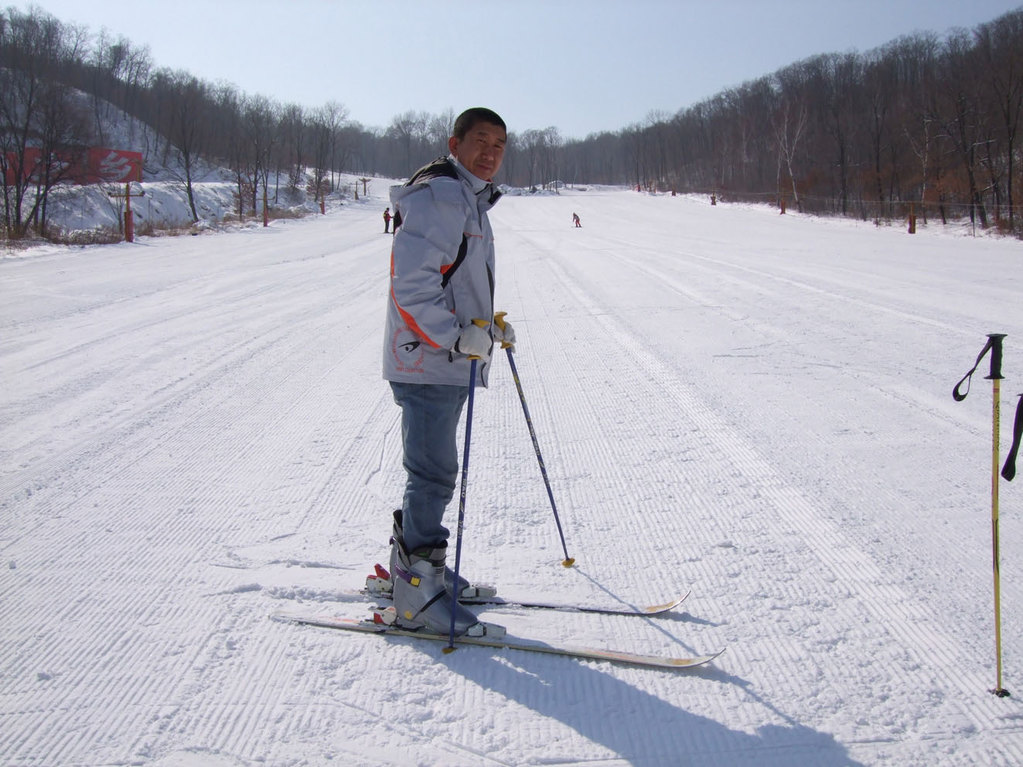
482, 149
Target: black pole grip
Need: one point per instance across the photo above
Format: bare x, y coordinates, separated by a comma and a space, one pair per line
995, 342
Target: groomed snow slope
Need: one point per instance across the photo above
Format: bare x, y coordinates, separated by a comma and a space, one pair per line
194, 434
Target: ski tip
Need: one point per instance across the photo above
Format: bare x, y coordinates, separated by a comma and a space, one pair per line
449, 649
701, 660
694, 662
568, 562
663, 608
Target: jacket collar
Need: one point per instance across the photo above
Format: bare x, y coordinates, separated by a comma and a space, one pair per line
478, 184
485, 191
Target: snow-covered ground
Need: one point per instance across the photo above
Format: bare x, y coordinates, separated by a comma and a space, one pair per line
194, 434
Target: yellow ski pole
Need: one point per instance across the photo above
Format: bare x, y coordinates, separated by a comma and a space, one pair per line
994, 345
999, 690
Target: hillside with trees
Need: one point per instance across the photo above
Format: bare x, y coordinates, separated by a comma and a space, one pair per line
927, 123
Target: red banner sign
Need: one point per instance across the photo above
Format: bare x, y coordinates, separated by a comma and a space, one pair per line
93, 165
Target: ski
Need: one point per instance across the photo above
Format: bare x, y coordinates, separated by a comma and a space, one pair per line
530, 604
506, 642
486, 601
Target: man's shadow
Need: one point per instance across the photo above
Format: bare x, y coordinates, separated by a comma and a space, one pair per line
637, 726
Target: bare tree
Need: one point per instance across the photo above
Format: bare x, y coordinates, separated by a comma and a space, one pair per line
409, 129
296, 127
185, 100
38, 119
957, 110
262, 133
552, 143
327, 124
532, 142
1000, 49
61, 130
439, 128
232, 144
788, 123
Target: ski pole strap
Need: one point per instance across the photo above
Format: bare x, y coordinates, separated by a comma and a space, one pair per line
994, 344
1009, 469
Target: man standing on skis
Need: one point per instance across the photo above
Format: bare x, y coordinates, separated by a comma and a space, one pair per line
442, 278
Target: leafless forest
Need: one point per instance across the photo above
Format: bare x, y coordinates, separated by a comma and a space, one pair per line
927, 124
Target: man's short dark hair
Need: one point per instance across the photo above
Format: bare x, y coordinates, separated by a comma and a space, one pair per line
468, 119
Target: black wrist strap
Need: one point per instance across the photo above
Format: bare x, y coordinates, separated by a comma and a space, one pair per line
994, 345
1009, 470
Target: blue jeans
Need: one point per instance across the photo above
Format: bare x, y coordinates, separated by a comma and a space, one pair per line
429, 428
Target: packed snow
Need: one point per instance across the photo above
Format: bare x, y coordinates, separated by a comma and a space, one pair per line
194, 435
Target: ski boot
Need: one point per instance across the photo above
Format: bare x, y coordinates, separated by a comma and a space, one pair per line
381, 582
422, 600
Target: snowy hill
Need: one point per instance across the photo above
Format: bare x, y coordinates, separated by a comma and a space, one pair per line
160, 201
194, 434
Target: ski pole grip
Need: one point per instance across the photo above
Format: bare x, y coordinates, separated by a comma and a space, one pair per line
994, 345
499, 321
995, 342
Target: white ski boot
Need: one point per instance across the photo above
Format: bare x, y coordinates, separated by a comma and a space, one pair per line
421, 599
381, 583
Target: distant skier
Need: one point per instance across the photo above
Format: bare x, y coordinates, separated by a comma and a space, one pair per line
387, 220
575, 220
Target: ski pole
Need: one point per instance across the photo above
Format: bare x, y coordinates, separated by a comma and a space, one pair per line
473, 362
996, 376
994, 345
499, 321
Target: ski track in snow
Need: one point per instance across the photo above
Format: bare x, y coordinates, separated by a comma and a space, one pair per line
195, 434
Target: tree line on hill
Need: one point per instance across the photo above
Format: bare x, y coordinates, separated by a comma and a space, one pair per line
926, 123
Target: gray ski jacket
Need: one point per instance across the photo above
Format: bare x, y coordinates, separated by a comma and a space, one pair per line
442, 274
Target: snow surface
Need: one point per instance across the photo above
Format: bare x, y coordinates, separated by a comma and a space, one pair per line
194, 434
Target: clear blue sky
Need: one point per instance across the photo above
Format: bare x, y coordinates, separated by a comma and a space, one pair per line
580, 65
